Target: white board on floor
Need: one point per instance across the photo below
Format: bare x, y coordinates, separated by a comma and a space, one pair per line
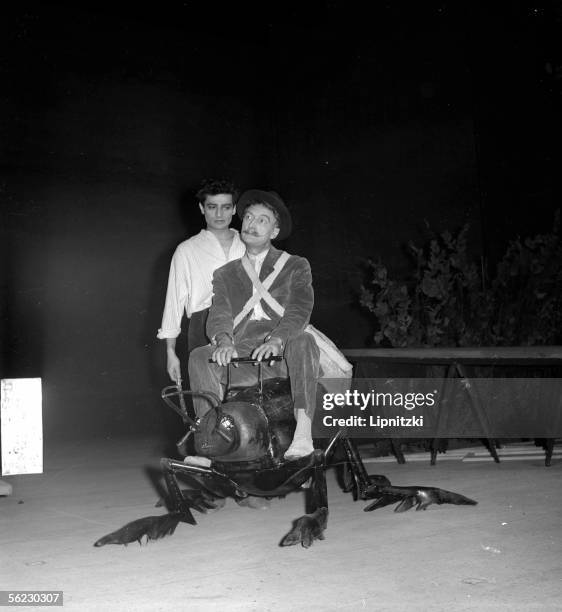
21, 426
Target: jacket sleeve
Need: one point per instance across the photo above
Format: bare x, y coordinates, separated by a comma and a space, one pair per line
220, 318
298, 307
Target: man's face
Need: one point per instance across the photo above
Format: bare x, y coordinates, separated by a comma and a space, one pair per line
218, 210
259, 226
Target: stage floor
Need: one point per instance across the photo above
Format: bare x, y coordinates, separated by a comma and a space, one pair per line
503, 554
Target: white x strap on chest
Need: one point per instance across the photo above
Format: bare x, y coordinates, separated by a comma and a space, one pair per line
262, 288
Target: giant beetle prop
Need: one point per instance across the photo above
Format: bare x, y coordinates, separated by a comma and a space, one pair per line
245, 438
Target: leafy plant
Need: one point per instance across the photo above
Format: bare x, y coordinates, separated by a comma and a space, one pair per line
449, 302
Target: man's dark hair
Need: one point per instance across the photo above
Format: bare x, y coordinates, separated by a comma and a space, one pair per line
210, 187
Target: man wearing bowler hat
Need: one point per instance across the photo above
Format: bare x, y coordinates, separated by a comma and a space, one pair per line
238, 328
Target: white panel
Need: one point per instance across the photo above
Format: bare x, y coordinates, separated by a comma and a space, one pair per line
21, 425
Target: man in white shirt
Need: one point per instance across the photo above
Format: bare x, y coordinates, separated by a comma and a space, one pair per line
190, 287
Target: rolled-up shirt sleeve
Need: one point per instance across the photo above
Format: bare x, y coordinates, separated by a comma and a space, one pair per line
177, 295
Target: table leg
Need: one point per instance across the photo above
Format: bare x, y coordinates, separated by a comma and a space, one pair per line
479, 412
440, 444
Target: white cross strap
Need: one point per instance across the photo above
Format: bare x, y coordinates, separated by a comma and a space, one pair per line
262, 287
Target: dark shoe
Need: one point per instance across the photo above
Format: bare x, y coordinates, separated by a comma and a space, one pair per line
256, 503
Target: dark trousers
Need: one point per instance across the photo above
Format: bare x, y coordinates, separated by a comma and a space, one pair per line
196, 334
300, 364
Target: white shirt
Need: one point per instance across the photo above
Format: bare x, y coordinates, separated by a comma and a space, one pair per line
258, 313
190, 283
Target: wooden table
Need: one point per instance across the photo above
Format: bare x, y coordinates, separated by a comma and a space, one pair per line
455, 360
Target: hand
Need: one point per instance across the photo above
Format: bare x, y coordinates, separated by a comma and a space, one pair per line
224, 353
270, 348
173, 367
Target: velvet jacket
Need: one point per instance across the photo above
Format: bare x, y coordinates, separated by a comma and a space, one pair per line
292, 288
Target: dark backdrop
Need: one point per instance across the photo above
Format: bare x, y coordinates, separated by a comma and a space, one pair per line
373, 125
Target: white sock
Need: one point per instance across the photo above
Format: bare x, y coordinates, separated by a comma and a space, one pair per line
302, 440
304, 426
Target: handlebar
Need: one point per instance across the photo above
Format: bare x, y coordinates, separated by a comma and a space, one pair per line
176, 390
250, 360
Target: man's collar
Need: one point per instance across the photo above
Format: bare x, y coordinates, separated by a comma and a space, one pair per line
258, 258
271, 257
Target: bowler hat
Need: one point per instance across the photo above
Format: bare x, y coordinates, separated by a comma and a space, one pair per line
257, 196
